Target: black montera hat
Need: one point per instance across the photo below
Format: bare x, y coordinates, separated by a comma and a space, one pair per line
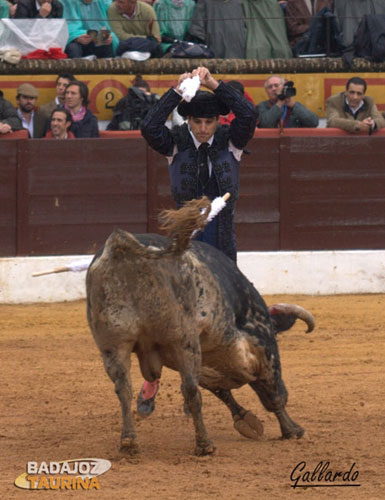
203, 105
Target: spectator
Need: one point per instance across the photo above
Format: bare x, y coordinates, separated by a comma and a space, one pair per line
12, 8
32, 120
350, 13
352, 110
266, 30
136, 27
89, 29
38, 9
221, 26
299, 14
9, 119
61, 84
226, 120
130, 111
5, 9
85, 124
280, 111
61, 121
174, 17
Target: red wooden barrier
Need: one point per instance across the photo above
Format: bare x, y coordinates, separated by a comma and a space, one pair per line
303, 189
17, 134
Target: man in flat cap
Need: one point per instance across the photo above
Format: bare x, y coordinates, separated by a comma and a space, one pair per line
33, 120
204, 159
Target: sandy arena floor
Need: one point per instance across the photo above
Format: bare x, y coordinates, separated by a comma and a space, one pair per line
58, 403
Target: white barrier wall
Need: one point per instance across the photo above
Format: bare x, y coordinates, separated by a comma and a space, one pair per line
309, 273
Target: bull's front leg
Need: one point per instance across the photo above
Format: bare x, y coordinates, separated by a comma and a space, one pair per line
273, 396
245, 422
193, 401
117, 365
189, 363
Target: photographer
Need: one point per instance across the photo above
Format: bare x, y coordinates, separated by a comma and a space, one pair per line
281, 109
131, 110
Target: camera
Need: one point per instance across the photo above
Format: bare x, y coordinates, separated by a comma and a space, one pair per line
288, 90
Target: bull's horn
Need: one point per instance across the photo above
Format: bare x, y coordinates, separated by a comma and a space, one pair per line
298, 311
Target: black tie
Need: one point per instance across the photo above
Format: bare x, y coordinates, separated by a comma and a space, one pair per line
203, 163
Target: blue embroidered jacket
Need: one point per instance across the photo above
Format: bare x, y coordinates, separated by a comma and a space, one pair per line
184, 167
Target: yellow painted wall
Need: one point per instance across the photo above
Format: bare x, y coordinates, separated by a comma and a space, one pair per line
106, 90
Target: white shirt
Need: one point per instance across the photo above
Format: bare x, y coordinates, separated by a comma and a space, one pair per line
354, 110
27, 125
237, 153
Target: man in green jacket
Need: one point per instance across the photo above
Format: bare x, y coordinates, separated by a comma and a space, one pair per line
281, 109
136, 26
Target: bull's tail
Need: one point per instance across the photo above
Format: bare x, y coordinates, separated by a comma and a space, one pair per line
179, 226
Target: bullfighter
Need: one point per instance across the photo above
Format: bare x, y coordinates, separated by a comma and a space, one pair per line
203, 158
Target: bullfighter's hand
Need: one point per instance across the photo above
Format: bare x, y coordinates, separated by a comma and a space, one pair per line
207, 80
45, 9
183, 77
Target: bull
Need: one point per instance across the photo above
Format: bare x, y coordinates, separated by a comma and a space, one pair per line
189, 308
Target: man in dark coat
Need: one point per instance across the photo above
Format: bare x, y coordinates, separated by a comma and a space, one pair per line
9, 120
299, 14
224, 147
29, 9
31, 118
84, 124
131, 109
204, 159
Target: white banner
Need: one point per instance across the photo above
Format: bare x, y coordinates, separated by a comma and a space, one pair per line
28, 35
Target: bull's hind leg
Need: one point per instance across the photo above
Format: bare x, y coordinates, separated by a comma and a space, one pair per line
273, 396
245, 422
189, 359
117, 365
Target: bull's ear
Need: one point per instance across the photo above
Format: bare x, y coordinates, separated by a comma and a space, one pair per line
283, 317
282, 322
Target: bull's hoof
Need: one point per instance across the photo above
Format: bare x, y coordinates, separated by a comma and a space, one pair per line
129, 446
295, 432
249, 426
204, 449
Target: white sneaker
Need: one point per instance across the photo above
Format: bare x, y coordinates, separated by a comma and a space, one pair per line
91, 57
